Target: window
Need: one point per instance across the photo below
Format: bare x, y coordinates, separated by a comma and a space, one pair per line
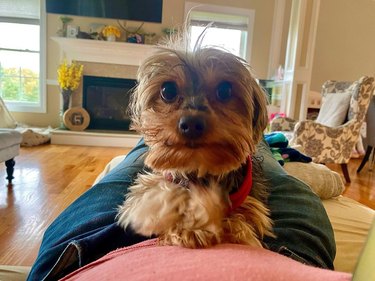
231, 27
21, 63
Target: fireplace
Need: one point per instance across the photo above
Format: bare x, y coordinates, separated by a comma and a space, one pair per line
106, 100
103, 59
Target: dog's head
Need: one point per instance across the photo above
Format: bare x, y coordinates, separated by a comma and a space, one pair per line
200, 112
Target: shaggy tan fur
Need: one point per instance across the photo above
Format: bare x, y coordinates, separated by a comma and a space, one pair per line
196, 213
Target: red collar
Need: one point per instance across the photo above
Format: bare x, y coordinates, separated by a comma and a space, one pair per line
236, 198
240, 195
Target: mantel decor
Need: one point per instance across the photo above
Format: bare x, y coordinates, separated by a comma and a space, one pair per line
65, 21
111, 32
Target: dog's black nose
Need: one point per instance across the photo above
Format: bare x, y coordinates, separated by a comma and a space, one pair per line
192, 127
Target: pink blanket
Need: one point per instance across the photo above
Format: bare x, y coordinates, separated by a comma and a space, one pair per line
149, 261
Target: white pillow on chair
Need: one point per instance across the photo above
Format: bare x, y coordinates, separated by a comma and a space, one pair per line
334, 109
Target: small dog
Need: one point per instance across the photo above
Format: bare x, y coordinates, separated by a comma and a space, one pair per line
201, 113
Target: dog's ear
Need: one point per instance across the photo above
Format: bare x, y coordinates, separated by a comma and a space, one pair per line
260, 116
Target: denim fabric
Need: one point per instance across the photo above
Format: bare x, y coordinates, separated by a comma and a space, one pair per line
87, 229
303, 230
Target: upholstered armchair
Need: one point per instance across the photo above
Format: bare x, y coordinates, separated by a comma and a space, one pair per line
332, 137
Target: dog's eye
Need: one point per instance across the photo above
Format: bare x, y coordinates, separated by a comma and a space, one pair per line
168, 91
224, 91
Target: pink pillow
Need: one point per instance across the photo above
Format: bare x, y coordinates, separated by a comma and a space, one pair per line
148, 261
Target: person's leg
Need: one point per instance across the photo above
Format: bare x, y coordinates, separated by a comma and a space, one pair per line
301, 224
87, 229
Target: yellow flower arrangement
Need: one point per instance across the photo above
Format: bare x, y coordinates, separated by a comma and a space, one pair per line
111, 30
69, 75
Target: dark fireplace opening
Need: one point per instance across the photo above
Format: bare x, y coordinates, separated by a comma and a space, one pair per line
106, 100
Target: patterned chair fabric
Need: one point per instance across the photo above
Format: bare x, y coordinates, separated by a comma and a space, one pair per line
283, 124
333, 144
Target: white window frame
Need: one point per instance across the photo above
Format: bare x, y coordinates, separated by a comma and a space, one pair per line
250, 14
41, 106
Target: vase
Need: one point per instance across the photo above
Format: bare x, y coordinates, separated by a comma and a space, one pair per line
66, 94
111, 38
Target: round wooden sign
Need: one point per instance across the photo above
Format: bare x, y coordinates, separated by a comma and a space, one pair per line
76, 119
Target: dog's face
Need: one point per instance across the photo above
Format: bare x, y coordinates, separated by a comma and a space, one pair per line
199, 112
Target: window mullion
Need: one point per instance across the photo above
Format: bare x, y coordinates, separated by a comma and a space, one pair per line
243, 43
19, 78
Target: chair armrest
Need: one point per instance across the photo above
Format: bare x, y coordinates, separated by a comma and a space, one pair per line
327, 144
282, 124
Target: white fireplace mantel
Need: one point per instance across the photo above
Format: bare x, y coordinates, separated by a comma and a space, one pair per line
103, 51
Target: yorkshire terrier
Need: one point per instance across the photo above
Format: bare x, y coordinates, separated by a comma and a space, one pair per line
202, 114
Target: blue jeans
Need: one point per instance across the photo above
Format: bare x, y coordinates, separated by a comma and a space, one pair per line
87, 229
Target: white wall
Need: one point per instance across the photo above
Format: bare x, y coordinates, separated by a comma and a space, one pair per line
345, 42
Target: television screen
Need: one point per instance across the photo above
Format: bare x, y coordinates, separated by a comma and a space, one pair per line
137, 10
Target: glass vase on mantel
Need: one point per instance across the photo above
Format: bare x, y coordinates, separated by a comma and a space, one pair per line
66, 94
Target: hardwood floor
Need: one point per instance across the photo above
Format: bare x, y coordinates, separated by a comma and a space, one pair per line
49, 177
362, 186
